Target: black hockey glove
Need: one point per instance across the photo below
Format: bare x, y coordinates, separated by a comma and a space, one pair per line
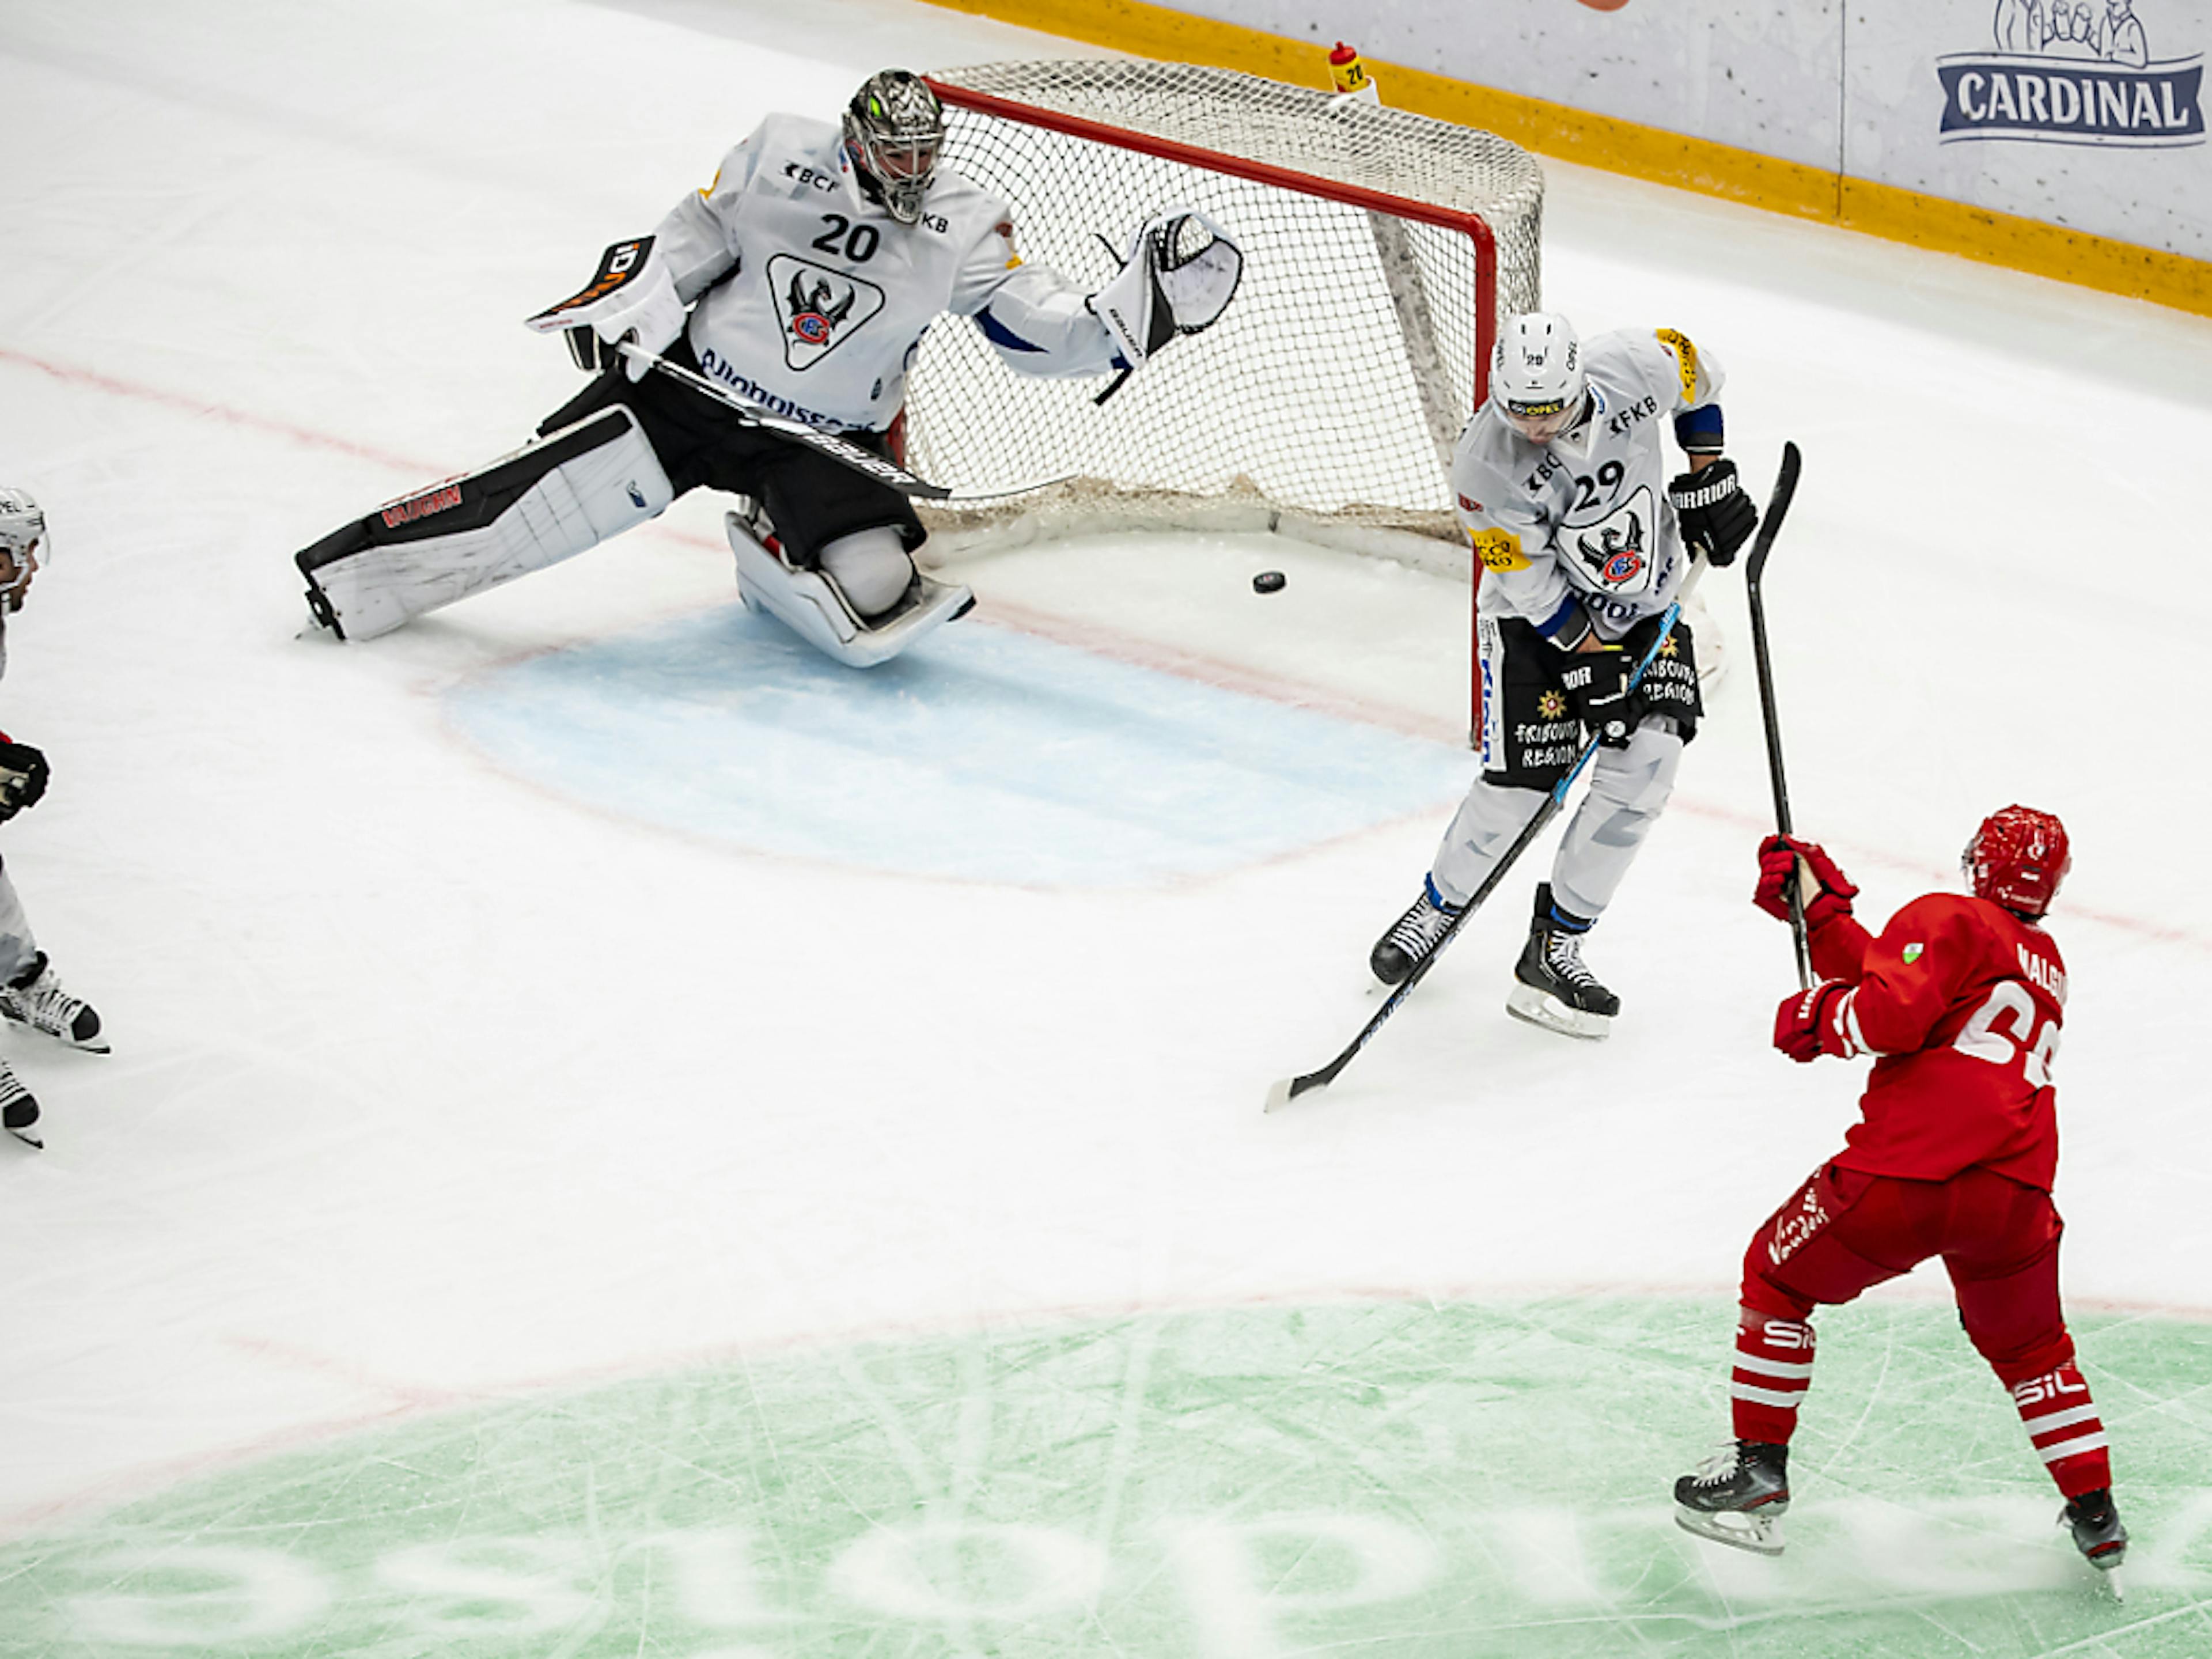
1597, 683
1670, 686
22, 778
1713, 510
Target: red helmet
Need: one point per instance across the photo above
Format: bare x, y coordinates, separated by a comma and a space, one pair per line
2017, 858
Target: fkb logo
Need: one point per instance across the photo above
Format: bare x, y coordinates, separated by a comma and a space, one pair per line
2072, 72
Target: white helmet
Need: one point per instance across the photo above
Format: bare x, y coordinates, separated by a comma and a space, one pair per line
1537, 374
23, 538
21, 523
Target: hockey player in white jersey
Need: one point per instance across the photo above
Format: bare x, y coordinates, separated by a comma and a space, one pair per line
30, 994
1562, 490
800, 280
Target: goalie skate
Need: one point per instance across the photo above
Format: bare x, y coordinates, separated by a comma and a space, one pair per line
1737, 1496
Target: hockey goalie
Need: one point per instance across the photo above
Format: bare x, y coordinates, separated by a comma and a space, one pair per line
786, 299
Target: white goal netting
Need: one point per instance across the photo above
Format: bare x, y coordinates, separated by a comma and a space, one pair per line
1381, 249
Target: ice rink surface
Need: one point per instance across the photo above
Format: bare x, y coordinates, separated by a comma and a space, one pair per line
622, 1139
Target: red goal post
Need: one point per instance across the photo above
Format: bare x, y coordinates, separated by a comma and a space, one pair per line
1381, 250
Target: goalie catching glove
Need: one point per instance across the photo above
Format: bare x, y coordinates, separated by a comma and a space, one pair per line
1713, 511
1180, 276
631, 297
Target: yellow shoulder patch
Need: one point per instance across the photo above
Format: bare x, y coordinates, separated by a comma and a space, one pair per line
1686, 360
709, 190
1498, 550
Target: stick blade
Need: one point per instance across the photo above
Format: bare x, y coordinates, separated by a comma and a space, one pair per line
1285, 1089
1778, 508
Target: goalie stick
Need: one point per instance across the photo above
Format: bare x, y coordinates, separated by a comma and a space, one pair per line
1286, 1089
1754, 570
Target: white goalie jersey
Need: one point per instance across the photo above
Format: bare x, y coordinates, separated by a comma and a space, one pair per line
812, 299
1583, 524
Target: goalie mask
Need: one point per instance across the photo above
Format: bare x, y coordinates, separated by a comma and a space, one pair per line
22, 542
894, 128
1536, 376
2017, 858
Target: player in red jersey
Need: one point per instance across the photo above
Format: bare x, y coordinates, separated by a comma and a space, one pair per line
1960, 998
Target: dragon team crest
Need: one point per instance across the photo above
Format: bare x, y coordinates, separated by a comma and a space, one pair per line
819, 307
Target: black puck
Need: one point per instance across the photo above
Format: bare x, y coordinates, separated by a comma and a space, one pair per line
1268, 581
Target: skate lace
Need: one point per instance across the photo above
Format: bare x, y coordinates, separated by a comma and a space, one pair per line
1720, 1467
11, 1086
45, 1004
1419, 928
1563, 954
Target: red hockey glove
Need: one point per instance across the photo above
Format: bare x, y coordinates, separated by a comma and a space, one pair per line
1777, 862
1810, 1024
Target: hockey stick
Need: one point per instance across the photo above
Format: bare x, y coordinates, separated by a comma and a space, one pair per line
1753, 569
882, 468
1289, 1089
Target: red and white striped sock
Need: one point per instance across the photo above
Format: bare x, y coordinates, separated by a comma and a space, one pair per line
2063, 1427
1773, 1369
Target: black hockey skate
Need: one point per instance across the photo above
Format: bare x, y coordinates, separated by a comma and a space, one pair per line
1738, 1497
1555, 990
35, 998
2098, 1533
19, 1107
1413, 937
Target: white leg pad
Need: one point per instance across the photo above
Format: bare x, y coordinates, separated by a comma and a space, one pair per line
547, 501
812, 606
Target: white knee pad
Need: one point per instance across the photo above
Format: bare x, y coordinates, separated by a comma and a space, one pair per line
549, 500
871, 567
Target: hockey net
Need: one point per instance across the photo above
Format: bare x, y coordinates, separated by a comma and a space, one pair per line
1381, 248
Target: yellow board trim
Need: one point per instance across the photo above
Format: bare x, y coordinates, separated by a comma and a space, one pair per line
1650, 153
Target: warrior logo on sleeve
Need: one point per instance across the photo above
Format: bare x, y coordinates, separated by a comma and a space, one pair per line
820, 307
1616, 551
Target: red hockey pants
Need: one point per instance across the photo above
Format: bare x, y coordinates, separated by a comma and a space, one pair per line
1844, 1231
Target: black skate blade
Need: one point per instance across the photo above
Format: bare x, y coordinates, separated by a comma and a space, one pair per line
1760, 1535
29, 1139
